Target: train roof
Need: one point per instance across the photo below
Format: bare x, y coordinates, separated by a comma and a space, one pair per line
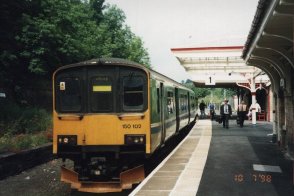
102, 61
119, 61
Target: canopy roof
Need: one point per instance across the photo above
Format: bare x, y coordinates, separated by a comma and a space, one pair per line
216, 66
269, 45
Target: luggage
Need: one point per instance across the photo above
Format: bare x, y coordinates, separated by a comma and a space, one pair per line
238, 120
220, 120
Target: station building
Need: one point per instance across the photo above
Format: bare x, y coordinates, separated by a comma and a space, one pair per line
269, 46
262, 69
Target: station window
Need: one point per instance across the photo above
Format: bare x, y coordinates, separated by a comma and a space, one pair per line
101, 94
133, 93
69, 94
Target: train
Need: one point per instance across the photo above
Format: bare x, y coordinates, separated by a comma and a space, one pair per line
108, 113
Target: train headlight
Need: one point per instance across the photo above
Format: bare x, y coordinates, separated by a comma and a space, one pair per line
135, 139
67, 139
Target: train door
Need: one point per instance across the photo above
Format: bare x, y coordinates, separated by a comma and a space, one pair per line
162, 108
177, 109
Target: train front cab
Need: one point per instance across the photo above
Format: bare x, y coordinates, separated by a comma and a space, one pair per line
101, 117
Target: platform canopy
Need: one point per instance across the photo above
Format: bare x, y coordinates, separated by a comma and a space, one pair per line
270, 43
218, 66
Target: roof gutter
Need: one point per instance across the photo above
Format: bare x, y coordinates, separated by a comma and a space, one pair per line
269, 13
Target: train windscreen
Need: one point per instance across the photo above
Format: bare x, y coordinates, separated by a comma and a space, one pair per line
69, 96
133, 89
101, 89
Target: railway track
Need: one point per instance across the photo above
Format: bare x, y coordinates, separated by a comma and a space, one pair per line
15, 163
41, 176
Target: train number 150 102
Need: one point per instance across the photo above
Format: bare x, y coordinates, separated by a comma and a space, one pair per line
129, 126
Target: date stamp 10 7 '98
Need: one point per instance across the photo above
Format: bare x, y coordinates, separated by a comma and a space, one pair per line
254, 177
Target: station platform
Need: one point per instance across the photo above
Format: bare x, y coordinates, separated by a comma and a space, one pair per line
213, 160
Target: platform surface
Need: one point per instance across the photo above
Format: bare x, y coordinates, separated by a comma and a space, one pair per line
213, 160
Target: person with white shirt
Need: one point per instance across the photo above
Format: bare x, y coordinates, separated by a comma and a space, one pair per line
225, 112
256, 107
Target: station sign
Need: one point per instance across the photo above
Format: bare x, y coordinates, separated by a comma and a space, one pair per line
210, 81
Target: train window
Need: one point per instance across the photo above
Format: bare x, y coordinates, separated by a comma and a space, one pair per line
158, 100
183, 102
101, 94
170, 102
186, 102
193, 103
133, 93
69, 94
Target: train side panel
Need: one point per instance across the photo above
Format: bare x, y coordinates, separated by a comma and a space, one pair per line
170, 111
192, 107
155, 105
172, 108
183, 108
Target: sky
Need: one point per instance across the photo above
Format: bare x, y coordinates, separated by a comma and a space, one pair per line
166, 24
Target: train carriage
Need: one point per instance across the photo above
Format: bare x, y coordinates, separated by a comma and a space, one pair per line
109, 113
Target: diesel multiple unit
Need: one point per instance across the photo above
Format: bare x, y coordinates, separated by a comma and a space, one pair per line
109, 113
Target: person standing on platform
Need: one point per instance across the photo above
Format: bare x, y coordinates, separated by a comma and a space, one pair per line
255, 108
202, 106
211, 110
242, 111
226, 112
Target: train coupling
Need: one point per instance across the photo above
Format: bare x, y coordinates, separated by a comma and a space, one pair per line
127, 179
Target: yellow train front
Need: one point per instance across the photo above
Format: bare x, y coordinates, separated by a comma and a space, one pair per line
111, 113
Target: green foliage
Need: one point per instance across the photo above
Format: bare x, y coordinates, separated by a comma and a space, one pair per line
22, 141
217, 95
9, 110
199, 92
120, 41
214, 95
29, 128
5, 143
39, 36
33, 120
22, 120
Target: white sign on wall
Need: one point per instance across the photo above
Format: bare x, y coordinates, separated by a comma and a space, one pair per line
210, 81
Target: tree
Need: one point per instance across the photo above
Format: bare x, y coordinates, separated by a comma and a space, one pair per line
120, 41
199, 92
39, 36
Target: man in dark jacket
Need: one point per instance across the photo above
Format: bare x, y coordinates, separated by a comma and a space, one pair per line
226, 112
202, 106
